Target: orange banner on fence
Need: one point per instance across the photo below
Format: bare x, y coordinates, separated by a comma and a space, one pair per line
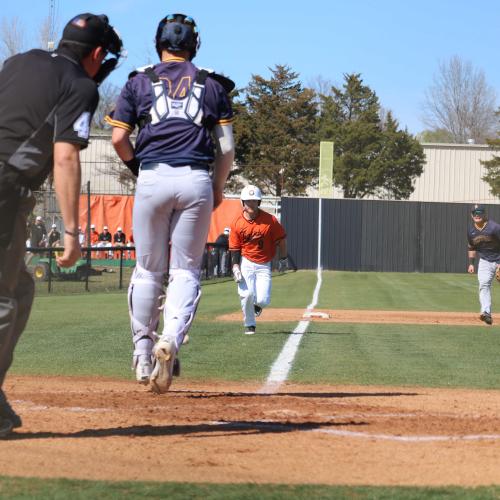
107, 210
116, 211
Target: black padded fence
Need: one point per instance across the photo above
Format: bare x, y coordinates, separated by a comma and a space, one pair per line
374, 235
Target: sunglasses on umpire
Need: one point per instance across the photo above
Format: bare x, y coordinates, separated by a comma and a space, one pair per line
477, 212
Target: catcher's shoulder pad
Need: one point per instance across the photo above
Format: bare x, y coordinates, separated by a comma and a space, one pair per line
226, 82
142, 69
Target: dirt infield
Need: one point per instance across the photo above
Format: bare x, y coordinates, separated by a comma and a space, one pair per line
223, 432
367, 316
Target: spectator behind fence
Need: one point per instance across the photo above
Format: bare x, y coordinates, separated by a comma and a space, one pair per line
119, 240
222, 245
38, 233
81, 237
94, 236
105, 239
54, 237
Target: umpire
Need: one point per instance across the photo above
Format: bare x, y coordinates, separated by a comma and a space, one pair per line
47, 103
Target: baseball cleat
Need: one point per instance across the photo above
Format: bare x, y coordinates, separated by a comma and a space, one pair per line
8, 413
249, 330
486, 317
6, 427
143, 370
258, 310
164, 352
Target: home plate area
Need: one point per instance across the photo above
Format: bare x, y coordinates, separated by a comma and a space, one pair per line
97, 428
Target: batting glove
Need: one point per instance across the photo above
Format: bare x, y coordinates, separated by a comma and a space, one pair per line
237, 274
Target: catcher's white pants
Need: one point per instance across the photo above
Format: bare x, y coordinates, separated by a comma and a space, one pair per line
485, 274
254, 288
171, 204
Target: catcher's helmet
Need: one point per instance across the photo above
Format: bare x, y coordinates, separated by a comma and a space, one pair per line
251, 193
177, 32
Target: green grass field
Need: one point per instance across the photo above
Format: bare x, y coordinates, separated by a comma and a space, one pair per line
88, 334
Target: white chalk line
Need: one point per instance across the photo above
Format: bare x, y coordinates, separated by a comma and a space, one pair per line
408, 439
283, 363
365, 435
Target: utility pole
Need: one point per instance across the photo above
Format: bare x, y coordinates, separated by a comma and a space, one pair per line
51, 39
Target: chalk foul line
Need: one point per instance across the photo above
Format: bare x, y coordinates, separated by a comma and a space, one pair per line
283, 363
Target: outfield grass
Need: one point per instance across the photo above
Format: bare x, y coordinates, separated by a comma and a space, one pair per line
88, 334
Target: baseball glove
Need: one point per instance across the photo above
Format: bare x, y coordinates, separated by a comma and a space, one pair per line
497, 273
283, 265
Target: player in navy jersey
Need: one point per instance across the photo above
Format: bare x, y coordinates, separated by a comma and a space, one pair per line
184, 116
484, 240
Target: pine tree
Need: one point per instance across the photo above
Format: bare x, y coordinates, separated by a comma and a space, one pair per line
370, 157
275, 133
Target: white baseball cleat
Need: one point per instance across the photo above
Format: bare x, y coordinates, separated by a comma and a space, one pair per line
143, 370
164, 352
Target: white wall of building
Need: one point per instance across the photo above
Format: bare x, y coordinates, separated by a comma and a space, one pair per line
452, 173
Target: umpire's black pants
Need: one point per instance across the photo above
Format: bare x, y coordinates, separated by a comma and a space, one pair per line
16, 285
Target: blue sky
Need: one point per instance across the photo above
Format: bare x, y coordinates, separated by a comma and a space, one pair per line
396, 45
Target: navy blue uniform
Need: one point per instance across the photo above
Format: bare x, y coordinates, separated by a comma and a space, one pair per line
175, 141
178, 108
485, 241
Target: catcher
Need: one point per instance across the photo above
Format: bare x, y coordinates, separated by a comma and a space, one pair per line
253, 239
484, 240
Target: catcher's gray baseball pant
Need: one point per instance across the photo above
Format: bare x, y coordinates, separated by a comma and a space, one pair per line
16, 287
485, 274
171, 204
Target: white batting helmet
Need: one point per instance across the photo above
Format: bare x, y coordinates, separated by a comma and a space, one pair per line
251, 193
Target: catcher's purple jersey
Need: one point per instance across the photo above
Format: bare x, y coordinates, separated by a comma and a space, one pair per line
486, 241
176, 141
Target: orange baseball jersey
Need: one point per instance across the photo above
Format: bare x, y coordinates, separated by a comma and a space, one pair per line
94, 237
256, 239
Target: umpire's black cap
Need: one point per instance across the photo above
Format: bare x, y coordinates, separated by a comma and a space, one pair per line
94, 31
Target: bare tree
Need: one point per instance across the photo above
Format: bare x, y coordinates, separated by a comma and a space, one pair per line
46, 34
461, 102
108, 93
11, 37
114, 167
320, 85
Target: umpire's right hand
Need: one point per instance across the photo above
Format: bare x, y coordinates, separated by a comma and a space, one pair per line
71, 251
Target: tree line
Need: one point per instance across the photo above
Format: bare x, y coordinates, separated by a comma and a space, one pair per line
279, 124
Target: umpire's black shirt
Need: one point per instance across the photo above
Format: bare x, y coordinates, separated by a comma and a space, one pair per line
44, 98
